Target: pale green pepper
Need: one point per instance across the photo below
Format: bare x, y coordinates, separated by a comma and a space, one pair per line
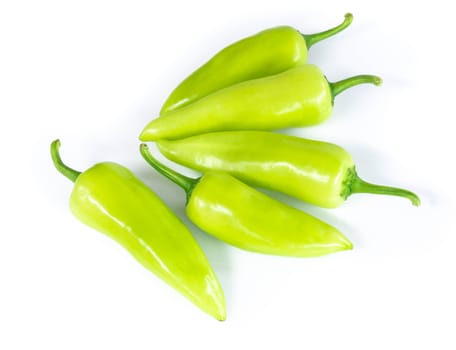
317, 172
297, 97
237, 214
266, 53
111, 199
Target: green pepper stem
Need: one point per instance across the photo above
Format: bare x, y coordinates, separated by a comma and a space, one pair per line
60, 166
356, 185
312, 39
342, 85
187, 183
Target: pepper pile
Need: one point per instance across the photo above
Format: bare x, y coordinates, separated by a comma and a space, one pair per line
219, 121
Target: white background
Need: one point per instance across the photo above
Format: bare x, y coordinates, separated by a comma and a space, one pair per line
92, 73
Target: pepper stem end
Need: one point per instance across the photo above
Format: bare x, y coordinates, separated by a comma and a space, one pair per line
342, 85
186, 183
354, 184
59, 165
312, 39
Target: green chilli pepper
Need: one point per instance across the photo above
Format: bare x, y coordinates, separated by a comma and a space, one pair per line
297, 97
246, 218
110, 198
267, 53
317, 172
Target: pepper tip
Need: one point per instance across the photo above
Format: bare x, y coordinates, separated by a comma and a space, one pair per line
149, 134
221, 317
142, 136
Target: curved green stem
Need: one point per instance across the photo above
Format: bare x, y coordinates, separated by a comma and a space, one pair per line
353, 184
60, 166
183, 181
342, 85
312, 39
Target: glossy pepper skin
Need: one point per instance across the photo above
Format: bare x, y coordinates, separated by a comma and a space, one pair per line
248, 219
111, 199
317, 172
266, 53
300, 96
